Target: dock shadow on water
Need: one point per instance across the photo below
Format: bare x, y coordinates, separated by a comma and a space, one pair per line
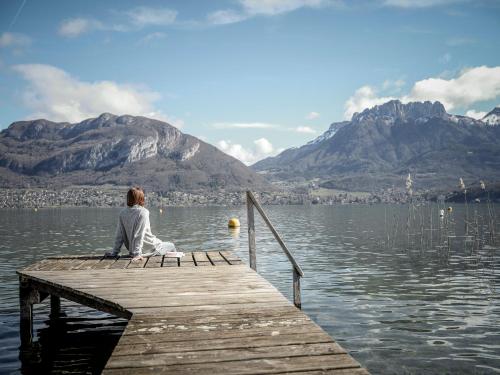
78, 342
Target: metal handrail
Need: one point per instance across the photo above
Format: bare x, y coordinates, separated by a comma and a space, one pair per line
297, 271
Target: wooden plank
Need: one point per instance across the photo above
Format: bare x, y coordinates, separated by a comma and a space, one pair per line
133, 336
155, 262
209, 309
152, 301
216, 258
138, 263
169, 291
231, 258
218, 343
243, 316
217, 355
187, 325
88, 264
201, 259
105, 263
172, 262
121, 263
250, 366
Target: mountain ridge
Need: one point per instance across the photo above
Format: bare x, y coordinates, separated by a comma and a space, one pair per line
382, 144
117, 150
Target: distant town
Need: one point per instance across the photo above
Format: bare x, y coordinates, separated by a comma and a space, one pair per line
114, 197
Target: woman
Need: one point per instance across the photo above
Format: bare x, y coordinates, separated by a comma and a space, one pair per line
134, 230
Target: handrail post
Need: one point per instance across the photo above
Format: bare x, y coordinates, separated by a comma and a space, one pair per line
297, 271
296, 289
251, 234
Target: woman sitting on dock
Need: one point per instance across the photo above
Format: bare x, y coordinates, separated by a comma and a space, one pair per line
134, 230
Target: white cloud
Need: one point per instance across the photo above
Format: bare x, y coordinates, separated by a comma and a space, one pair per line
244, 125
364, 97
132, 19
225, 16
470, 86
8, 39
272, 7
74, 27
305, 130
262, 149
263, 146
252, 8
419, 3
56, 95
312, 116
152, 37
145, 16
474, 114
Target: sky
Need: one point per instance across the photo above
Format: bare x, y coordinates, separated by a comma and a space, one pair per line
252, 77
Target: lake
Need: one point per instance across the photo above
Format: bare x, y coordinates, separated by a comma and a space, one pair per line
404, 297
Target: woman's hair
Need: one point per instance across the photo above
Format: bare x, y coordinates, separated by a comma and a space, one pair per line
135, 196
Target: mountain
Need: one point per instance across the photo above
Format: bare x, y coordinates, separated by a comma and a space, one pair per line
118, 150
381, 145
493, 117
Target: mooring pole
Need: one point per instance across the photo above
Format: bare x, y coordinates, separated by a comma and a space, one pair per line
296, 289
251, 234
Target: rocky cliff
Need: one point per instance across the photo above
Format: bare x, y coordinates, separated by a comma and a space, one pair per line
116, 150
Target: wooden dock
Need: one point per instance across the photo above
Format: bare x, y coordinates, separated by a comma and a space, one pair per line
205, 313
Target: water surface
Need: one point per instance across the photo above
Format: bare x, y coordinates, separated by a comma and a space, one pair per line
402, 297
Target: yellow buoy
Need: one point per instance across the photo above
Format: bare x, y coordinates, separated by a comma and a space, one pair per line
161, 211
233, 223
450, 209
35, 209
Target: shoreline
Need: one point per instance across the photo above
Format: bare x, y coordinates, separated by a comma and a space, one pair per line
114, 197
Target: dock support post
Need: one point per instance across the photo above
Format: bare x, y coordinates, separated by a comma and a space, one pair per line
27, 297
55, 306
296, 289
251, 234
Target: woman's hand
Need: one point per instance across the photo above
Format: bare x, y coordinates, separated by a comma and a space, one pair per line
137, 258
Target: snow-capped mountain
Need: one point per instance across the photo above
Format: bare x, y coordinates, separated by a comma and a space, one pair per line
332, 130
493, 117
382, 144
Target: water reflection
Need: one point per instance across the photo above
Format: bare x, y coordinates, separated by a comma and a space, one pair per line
423, 300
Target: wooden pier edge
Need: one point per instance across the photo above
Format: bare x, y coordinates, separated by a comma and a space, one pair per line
208, 313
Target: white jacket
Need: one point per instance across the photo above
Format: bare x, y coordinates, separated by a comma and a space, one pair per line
134, 231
